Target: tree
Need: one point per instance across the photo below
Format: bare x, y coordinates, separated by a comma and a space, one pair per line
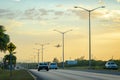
81, 58
6, 60
4, 39
55, 60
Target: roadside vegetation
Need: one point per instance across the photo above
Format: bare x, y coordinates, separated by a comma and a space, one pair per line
96, 64
4, 65
4, 39
16, 75
81, 64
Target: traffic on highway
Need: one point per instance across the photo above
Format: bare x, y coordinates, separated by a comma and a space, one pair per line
72, 75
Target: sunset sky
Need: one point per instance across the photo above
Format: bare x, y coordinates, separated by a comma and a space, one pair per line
32, 21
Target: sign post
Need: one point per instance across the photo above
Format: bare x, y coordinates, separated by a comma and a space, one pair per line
11, 47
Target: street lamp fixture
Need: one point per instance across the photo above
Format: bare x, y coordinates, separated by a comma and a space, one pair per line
62, 42
89, 11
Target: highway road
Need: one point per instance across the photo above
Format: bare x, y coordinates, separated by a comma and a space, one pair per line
72, 75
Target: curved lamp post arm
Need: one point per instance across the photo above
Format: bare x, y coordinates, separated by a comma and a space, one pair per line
62, 32
97, 8
58, 31
81, 8
68, 31
88, 9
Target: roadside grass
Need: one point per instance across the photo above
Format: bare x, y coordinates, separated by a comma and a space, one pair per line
16, 75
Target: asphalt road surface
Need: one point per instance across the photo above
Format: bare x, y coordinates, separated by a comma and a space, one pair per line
72, 75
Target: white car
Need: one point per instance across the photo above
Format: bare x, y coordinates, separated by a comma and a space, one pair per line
53, 66
111, 65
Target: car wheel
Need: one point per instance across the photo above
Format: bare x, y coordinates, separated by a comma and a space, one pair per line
47, 69
38, 69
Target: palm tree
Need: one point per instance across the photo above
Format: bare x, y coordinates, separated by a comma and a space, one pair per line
4, 39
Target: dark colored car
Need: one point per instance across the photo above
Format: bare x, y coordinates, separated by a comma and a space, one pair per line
43, 66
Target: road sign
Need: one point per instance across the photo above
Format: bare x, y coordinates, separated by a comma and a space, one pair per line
11, 47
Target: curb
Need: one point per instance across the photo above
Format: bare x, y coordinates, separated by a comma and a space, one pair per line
35, 78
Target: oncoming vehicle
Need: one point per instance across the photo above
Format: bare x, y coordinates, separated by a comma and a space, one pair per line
53, 66
43, 66
111, 65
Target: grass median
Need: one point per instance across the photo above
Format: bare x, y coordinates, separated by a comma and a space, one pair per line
16, 75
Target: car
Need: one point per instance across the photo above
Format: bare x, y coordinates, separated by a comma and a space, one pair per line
43, 66
53, 66
111, 65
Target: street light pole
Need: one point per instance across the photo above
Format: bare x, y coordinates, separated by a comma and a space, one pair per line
42, 51
63, 49
38, 54
42, 45
63, 44
89, 11
89, 40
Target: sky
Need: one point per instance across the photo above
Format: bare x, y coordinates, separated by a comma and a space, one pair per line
30, 23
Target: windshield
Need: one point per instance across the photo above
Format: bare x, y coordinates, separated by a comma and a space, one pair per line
53, 63
43, 64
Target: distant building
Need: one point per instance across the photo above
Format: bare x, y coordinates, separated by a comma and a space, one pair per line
71, 62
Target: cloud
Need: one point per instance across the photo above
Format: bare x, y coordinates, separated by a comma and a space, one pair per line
4, 13
31, 14
59, 13
43, 12
84, 14
27, 14
118, 0
36, 14
80, 13
112, 16
60, 5
105, 15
